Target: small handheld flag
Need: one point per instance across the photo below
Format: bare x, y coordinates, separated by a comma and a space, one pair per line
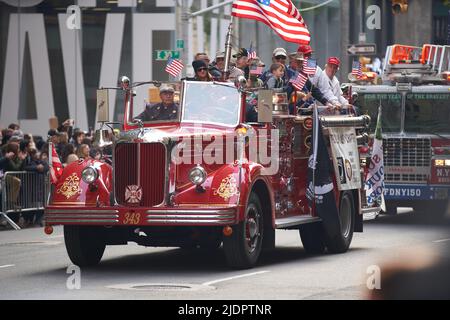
356, 69
299, 82
174, 67
55, 165
256, 70
251, 54
309, 66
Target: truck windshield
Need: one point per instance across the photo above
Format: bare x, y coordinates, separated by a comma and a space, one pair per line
208, 102
391, 105
427, 113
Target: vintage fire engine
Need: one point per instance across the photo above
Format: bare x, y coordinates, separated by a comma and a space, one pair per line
414, 93
153, 198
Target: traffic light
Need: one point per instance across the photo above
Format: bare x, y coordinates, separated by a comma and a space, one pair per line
399, 6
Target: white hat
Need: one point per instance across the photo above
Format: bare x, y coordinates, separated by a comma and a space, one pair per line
166, 88
279, 52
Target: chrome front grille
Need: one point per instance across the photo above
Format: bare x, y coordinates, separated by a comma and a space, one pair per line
407, 159
143, 165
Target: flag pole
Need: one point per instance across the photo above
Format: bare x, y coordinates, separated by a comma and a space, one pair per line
228, 47
314, 146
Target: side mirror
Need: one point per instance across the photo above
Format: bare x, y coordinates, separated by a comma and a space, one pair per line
240, 82
354, 97
102, 105
265, 106
124, 82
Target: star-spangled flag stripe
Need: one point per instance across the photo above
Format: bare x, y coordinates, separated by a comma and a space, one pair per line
309, 66
281, 15
277, 15
299, 82
256, 70
174, 67
356, 69
251, 54
55, 165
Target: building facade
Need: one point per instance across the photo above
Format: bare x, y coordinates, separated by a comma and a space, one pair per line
52, 60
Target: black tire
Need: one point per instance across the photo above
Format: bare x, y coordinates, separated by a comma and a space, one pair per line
312, 236
341, 242
84, 245
243, 247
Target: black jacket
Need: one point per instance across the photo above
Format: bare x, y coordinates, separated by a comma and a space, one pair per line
159, 112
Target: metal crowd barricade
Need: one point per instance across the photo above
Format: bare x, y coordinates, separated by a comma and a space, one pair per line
22, 191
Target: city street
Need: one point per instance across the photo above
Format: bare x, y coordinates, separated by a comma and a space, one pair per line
34, 266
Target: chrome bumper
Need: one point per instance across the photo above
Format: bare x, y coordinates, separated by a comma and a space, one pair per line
189, 217
150, 217
95, 216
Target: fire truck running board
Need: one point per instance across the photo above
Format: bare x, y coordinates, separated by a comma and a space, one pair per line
289, 222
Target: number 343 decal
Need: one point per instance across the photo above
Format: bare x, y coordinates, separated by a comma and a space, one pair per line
131, 218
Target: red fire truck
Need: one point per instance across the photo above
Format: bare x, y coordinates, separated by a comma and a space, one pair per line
150, 197
414, 92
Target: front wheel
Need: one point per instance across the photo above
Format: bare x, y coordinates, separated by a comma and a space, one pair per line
243, 247
341, 242
84, 245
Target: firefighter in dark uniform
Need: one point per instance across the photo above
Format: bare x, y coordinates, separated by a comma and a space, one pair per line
167, 109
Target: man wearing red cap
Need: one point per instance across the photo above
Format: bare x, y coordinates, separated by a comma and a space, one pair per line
306, 51
328, 79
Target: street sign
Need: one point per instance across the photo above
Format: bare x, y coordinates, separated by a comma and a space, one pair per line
180, 44
362, 49
162, 55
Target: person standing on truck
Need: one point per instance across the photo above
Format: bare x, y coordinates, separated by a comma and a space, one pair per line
329, 80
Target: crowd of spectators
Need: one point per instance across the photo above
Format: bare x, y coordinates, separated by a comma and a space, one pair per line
21, 151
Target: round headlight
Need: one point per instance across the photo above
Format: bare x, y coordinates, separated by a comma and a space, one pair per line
197, 175
89, 175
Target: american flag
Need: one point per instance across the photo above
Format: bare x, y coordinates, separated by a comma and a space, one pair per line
55, 165
174, 67
356, 69
251, 54
256, 70
281, 15
309, 66
299, 82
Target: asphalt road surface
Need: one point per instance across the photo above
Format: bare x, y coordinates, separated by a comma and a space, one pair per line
35, 266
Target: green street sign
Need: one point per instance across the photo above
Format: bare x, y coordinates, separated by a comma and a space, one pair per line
162, 55
180, 44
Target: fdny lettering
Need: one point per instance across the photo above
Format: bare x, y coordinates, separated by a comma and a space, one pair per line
404, 192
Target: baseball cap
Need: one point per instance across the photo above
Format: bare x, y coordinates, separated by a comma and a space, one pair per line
305, 49
220, 54
279, 52
297, 55
241, 53
334, 60
166, 88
